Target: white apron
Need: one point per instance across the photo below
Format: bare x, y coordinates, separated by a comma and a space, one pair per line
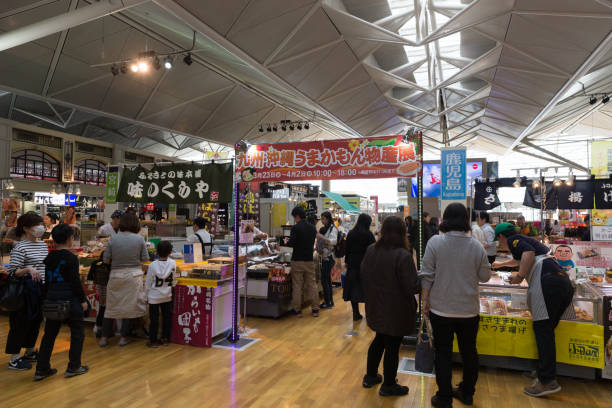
125, 295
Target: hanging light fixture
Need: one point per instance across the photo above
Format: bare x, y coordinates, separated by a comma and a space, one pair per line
517, 181
557, 181
10, 185
536, 182
78, 190
168, 63
570, 179
52, 190
70, 189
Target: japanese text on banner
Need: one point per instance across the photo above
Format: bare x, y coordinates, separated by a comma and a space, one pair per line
453, 174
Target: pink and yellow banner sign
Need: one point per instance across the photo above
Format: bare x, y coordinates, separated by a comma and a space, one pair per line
376, 157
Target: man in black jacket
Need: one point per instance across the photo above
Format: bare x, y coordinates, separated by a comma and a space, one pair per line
63, 283
302, 241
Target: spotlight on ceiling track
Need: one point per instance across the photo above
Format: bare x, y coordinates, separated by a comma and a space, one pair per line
283, 125
134, 67
593, 100
557, 181
292, 127
306, 125
605, 99
156, 63
260, 129
114, 70
275, 128
536, 182
299, 125
570, 179
187, 59
123, 68
168, 63
143, 66
269, 128
517, 181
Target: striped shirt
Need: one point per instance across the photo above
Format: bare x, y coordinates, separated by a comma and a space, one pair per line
28, 254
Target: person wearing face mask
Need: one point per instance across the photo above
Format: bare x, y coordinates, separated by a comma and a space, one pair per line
27, 263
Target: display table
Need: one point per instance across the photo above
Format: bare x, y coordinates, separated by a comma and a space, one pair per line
202, 309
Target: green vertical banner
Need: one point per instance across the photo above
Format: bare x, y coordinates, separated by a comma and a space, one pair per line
112, 185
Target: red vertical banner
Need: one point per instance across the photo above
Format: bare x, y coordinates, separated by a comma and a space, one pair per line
375, 199
192, 318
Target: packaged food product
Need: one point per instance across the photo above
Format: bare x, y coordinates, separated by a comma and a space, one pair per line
485, 306
596, 279
498, 307
526, 313
582, 314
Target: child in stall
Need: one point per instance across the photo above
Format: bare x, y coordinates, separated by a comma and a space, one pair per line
158, 288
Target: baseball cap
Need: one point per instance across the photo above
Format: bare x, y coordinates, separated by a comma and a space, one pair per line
504, 227
117, 214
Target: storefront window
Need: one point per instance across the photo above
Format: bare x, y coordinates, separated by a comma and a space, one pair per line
33, 164
90, 172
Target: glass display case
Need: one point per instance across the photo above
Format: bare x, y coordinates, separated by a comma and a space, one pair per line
498, 297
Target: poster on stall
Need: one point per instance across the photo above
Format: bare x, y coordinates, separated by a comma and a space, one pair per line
453, 172
247, 231
607, 321
603, 194
374, 157
249, 202
601, 225
588, 254
192, 317
177, 184
579, 344
601, 158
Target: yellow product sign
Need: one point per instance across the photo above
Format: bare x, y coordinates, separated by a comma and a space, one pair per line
577, 343
601, 157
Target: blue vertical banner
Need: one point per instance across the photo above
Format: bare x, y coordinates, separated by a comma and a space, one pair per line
453, 166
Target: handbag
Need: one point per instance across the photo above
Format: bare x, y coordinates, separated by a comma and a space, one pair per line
11, 295
56, 309
425, 352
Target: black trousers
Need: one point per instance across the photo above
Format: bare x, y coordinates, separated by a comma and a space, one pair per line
77, 337
492, 258
558, 293
166, 311
389, 345
100, 316
326, 267
22, 332
107, 327
444, 329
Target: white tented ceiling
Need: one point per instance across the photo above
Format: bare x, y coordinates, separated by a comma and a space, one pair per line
495, 74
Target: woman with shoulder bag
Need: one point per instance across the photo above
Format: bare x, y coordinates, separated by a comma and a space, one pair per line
64, 301
453, 264
27, 264
125, 296
357, 242
390, 282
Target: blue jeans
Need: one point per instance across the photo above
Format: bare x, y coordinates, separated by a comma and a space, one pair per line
326, 267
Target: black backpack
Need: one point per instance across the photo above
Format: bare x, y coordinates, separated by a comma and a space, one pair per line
99, 272
340, 247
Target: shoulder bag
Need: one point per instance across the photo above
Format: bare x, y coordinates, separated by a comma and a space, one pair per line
11, 295
425, 352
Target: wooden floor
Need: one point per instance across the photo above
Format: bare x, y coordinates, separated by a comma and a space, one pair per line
298, 363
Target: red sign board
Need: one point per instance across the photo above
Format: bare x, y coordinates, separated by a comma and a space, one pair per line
192, 317
375, 157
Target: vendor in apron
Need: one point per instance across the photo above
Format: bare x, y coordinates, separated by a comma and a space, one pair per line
549, 298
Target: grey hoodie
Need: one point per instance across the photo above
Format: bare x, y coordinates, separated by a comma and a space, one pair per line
158, 285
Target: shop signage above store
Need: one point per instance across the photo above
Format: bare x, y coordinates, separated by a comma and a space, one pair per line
178, 183
453, 174
112, 185
55, 199
377, 157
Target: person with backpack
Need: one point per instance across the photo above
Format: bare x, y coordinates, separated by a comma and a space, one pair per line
63, 285
200, 235
327, 239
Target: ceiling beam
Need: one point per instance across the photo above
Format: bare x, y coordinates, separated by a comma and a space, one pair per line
198, 25
217, 109
556, 156
25, 8
313, 9
58, 52
65, 21
598, 52
151, 94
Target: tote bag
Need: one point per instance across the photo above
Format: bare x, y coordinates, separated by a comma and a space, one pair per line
11, 295
425, 353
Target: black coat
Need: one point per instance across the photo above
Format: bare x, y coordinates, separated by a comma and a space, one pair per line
390, 282
357, 243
